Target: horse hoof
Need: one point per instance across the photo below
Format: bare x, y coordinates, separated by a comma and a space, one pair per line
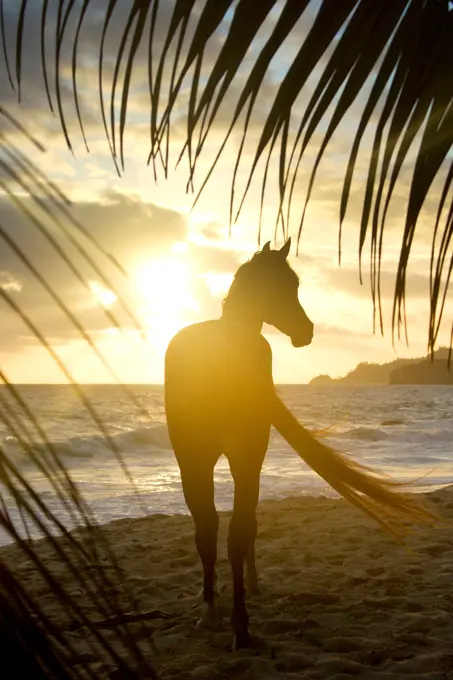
200, 596
242, 640
253, 588
210, 617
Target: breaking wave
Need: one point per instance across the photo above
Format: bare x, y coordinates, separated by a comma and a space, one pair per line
89, 446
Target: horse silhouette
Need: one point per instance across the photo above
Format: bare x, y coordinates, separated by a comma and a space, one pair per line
220, 399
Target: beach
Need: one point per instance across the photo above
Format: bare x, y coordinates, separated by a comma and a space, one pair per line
340, 598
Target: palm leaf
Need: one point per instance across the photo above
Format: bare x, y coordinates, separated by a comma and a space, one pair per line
404, 47
36, 645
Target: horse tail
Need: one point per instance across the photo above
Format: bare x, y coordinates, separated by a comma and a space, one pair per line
376, 495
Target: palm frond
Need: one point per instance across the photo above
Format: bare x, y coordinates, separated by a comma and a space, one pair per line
39, 646
404, 47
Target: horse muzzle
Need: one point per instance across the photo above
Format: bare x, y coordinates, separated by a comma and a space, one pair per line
303, 340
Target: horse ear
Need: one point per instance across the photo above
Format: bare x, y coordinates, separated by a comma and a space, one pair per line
284, 251
266, 247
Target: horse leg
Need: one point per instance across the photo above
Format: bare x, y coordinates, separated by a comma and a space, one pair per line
198, 487
253, 586
242, 533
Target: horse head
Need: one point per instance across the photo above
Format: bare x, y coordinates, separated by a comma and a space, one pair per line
279, 299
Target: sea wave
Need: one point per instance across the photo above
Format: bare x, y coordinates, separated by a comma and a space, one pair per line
362, 433
89, 446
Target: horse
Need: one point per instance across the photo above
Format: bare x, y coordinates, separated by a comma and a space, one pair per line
220, 399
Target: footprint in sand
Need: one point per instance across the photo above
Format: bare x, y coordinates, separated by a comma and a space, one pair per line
293, 663
375, 571
280, 626
342, 645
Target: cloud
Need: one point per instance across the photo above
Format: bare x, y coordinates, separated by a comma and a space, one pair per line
128, 229
346, 280
135, 233
99, 167
9, 283
332, 331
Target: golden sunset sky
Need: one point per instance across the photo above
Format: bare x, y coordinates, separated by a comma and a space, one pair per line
180, 262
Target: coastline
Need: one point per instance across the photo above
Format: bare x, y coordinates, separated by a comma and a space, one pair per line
339, 597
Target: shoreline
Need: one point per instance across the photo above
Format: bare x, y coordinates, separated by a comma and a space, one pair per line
422, 490
339, 597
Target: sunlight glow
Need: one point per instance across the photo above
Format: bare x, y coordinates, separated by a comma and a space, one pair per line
179, 247
166, 303
218, 282
103, 295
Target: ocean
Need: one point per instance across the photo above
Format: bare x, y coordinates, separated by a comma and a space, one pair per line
404, 431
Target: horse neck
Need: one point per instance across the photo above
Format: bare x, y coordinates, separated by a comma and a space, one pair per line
241, 306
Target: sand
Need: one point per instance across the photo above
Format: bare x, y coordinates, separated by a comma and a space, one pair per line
339, 598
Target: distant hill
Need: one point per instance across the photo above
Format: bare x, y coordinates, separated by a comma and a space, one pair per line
323, 380
394, 372
425, 372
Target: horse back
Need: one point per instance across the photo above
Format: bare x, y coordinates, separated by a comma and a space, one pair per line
216, 376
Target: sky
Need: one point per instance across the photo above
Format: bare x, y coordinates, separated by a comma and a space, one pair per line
177, 260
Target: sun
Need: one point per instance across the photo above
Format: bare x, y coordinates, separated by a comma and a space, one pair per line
165, 301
